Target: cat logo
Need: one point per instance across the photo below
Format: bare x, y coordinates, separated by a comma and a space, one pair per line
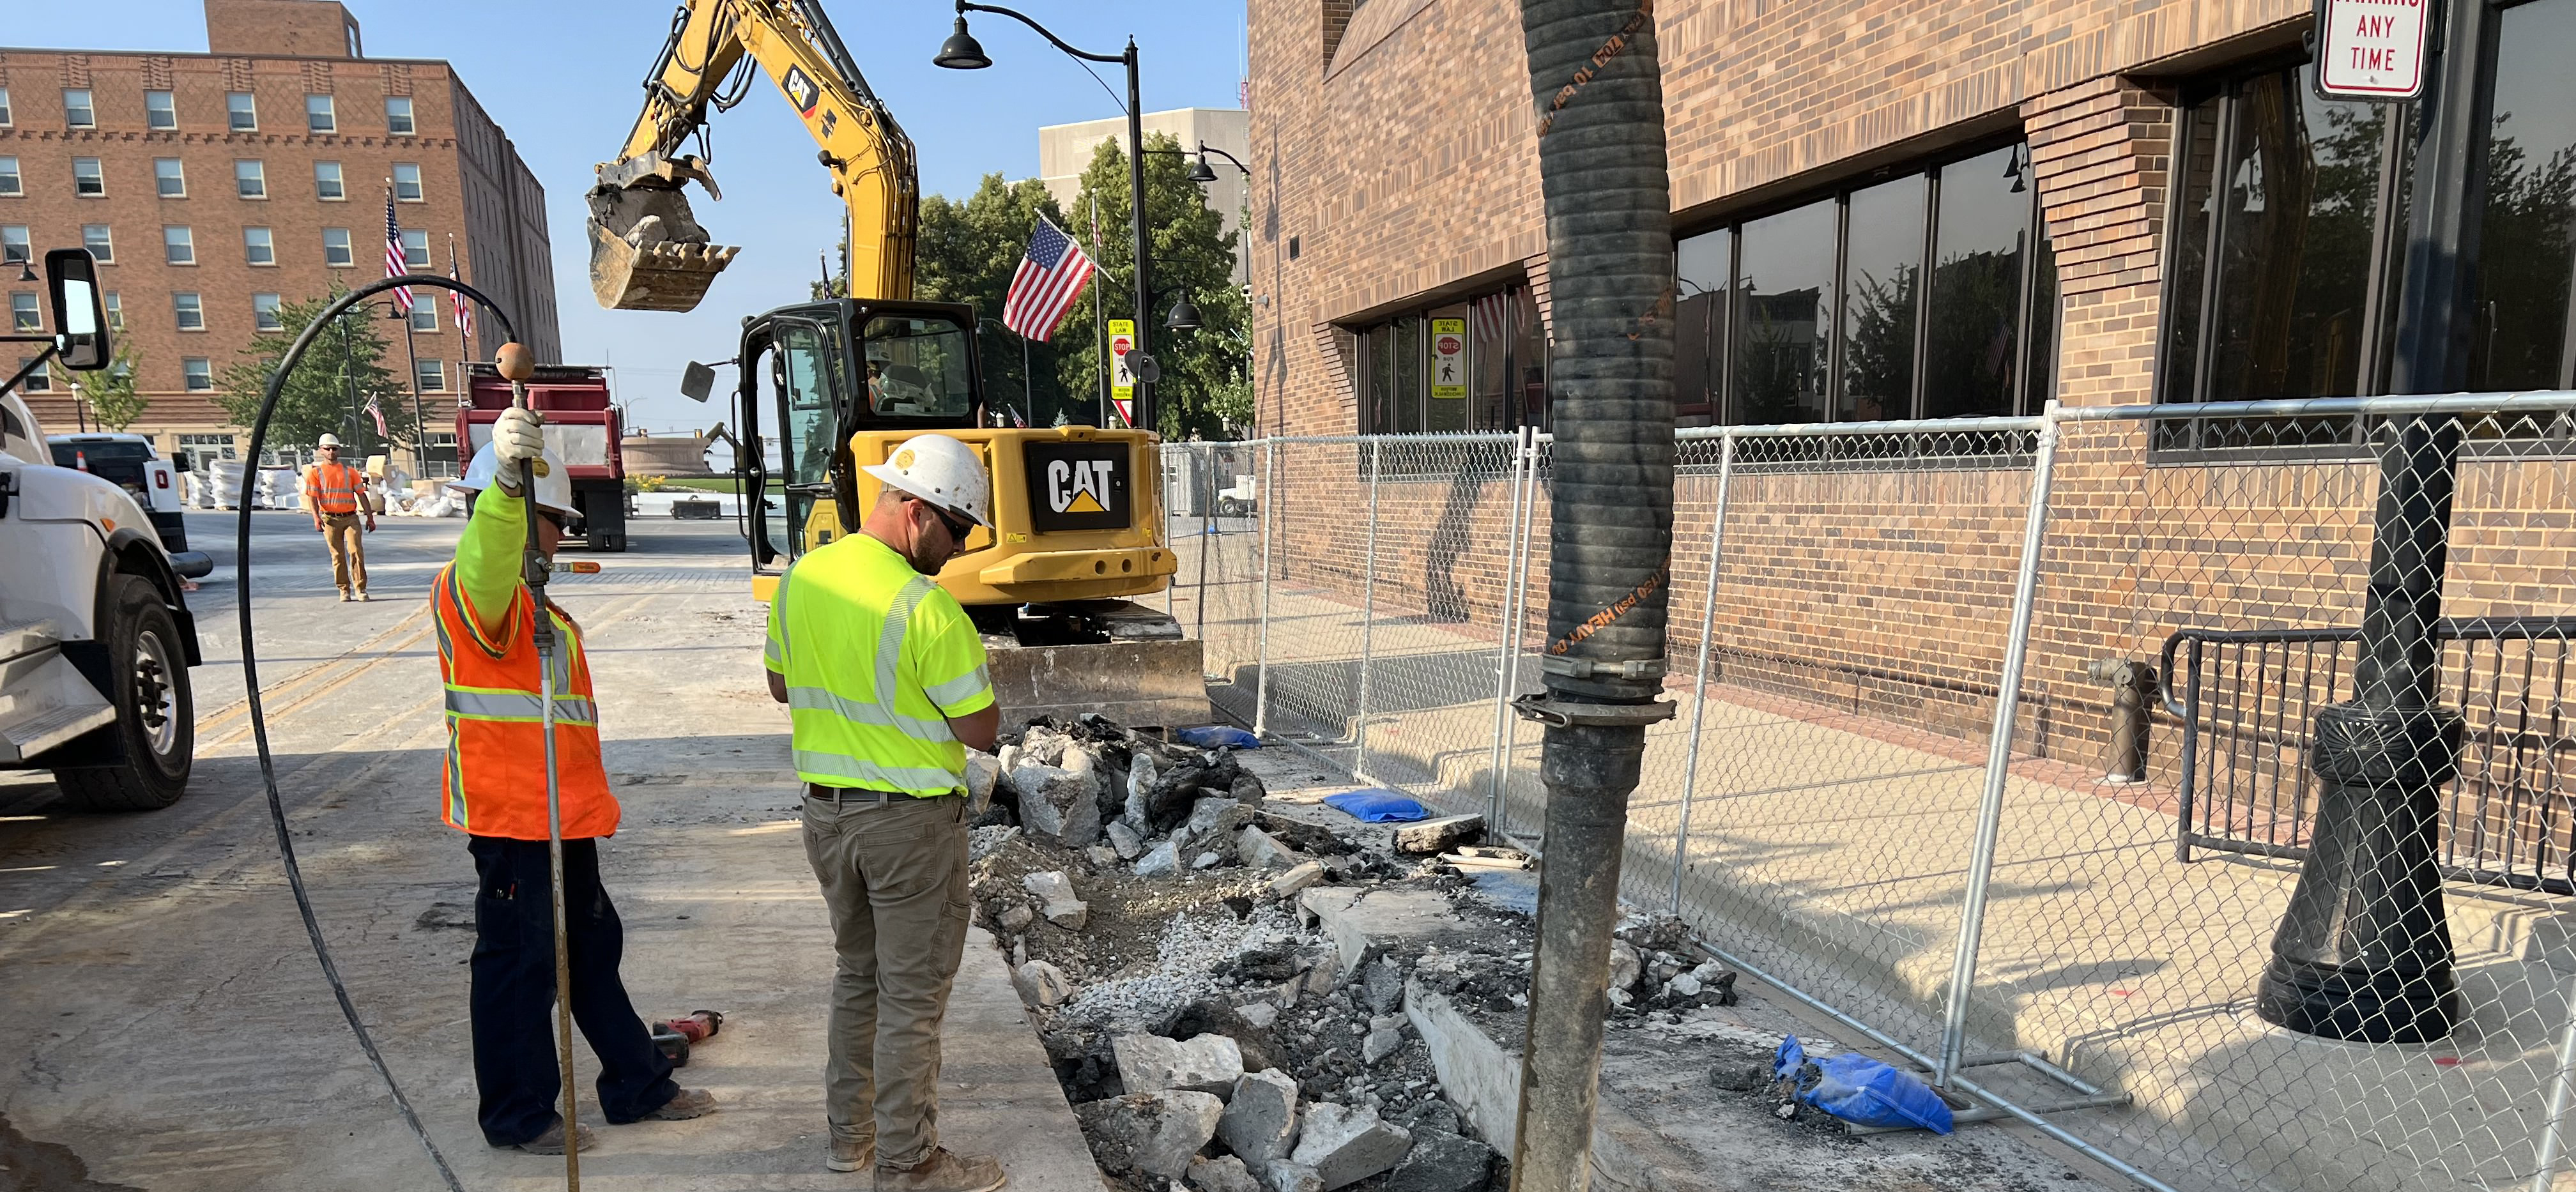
1080, 485
801, 90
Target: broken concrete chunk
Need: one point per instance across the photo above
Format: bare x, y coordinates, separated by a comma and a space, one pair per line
1016, 919
1442, 1162
1157, 1133
1380, 1043
1325, 976
1625, 966
1042, 986
1058, 803
1248, 790
1386, 916
1260, 1123
1214, 819
1206, 1064
983, 774
1261, 1015
1382, 984
1101, 856
1281, 1175
1227, 1174
1261, 850
1125, 841
1162, 860
1056, 899
1439, 835
1346, 1145
1140, 793
1297, 879
1206, 861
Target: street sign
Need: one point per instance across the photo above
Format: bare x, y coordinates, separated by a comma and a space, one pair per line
1449, 358
2371, 50
1122, 383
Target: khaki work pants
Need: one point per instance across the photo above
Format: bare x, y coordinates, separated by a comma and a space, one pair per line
895, 878
348, 550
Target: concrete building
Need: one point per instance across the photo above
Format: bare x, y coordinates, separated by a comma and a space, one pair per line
214, 186
1064, 151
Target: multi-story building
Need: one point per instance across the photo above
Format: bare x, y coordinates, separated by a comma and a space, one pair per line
1064, 152
214, 187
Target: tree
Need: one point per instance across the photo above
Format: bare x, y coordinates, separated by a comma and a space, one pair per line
343, 368
113, 403
968, 252
1205, 372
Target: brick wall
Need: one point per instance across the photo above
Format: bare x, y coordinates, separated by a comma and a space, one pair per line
296, 28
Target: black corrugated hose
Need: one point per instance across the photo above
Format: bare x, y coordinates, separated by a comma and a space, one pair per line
259, 713
1596, 79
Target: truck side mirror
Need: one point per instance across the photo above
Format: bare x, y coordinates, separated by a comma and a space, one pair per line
697, 381
80, 311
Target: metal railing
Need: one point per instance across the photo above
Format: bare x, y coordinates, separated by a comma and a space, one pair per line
1885, 790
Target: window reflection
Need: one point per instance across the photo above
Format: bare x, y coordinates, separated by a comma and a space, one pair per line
1702, 266
2520, 337
1882, 273
1786, 279
1982, 230
2299, 189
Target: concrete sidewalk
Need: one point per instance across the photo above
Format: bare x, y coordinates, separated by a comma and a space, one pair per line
1832, 849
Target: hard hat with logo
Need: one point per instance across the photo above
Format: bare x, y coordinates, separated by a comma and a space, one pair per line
327, 441
942, 471
554, 485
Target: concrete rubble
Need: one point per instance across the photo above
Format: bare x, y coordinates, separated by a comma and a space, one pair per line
1205, 1064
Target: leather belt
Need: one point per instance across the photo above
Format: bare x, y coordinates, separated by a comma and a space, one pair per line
855, 794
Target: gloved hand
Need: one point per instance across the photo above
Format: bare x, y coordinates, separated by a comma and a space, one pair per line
517, 437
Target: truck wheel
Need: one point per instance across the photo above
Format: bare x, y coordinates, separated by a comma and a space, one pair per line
156, 719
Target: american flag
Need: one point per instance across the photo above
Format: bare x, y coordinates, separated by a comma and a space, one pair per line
1498, 316
378, 413
395, 263
1050, 278
463, 305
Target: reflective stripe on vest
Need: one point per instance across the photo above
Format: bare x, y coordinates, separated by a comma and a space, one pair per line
335, 488
495, 782
889, 738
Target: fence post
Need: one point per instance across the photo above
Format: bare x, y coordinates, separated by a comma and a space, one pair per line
1507, 640
1990, 809
1171, 518
1269, 498
1207, 528
1699, 701
1368, 613
2562, 1089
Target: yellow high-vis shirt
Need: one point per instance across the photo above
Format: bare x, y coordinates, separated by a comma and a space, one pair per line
876, 658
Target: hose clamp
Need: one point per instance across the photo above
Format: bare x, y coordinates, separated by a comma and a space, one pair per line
1549, 712
1577, 668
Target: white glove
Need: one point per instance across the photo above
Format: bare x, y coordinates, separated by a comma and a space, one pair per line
518, 436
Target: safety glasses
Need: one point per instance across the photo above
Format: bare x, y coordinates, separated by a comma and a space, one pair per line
958, 528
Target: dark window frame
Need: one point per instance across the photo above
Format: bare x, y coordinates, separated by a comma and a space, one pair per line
1515, 412
2028, 399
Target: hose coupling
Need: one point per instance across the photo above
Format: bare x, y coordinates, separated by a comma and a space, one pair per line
1633, 669
1567, 714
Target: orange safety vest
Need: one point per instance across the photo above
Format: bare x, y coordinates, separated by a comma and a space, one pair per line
496, 760
334, 487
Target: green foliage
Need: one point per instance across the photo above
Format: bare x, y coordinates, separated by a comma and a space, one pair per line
1206, 373
325, 394
113, 403
967, 252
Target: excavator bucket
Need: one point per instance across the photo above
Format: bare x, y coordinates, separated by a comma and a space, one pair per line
647, 251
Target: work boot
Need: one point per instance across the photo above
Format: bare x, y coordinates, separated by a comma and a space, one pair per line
552, 1141
344, 596
686, 1104
852, 1154
362, 595
943, 1171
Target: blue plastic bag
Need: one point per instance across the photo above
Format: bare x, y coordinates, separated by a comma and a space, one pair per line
1217, 736
1861, 1090
1377, 805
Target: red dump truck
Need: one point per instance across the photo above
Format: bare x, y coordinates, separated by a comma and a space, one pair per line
582, 426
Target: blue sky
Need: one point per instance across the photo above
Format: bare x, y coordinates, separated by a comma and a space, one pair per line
562, 77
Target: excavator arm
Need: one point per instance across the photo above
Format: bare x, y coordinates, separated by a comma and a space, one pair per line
647, 250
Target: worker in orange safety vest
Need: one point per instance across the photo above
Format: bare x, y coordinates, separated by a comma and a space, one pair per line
336, 495
495, 792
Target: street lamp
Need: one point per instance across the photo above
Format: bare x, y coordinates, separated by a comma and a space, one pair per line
1184, 316
962, 52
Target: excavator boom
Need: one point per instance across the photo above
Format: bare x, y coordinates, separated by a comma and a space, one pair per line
647, 249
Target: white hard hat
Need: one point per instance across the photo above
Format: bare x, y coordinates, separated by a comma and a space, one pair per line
942, 471
554, 485
328, 441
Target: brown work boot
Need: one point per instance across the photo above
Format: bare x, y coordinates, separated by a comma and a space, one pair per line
686, 1104
552, 1141
852, 1154
345, 597
943, 1171
362, 595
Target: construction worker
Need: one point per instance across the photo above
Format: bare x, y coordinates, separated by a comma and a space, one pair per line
884, 679
336, 495
495, 792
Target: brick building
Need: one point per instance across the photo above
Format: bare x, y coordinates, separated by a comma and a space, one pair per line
214, 186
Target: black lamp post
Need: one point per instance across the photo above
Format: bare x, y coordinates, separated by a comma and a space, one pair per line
962, 52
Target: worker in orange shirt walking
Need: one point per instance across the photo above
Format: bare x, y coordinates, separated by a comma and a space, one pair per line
336, 495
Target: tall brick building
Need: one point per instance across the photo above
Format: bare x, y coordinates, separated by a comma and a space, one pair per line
1980, 198
213, 186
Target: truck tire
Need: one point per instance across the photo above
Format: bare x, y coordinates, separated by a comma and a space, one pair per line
156, 720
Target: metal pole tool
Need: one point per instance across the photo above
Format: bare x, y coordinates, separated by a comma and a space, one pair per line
516, 364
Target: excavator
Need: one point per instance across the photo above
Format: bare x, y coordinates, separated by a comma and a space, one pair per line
1078, 511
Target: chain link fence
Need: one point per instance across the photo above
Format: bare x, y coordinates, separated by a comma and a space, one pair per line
2114, 766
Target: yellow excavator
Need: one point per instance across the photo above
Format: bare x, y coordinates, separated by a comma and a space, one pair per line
1078, 511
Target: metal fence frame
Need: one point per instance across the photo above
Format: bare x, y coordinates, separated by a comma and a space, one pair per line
1521, 455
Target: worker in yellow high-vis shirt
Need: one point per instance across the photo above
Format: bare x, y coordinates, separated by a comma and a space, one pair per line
884, 678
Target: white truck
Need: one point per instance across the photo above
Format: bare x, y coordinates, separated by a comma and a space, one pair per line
95, 634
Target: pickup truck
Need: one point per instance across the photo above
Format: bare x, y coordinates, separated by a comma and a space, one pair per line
131, 463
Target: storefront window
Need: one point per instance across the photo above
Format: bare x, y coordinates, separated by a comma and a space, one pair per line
2524, 272
1881, 276
1784, 283
1455, 368
1972, 344
1703, 266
